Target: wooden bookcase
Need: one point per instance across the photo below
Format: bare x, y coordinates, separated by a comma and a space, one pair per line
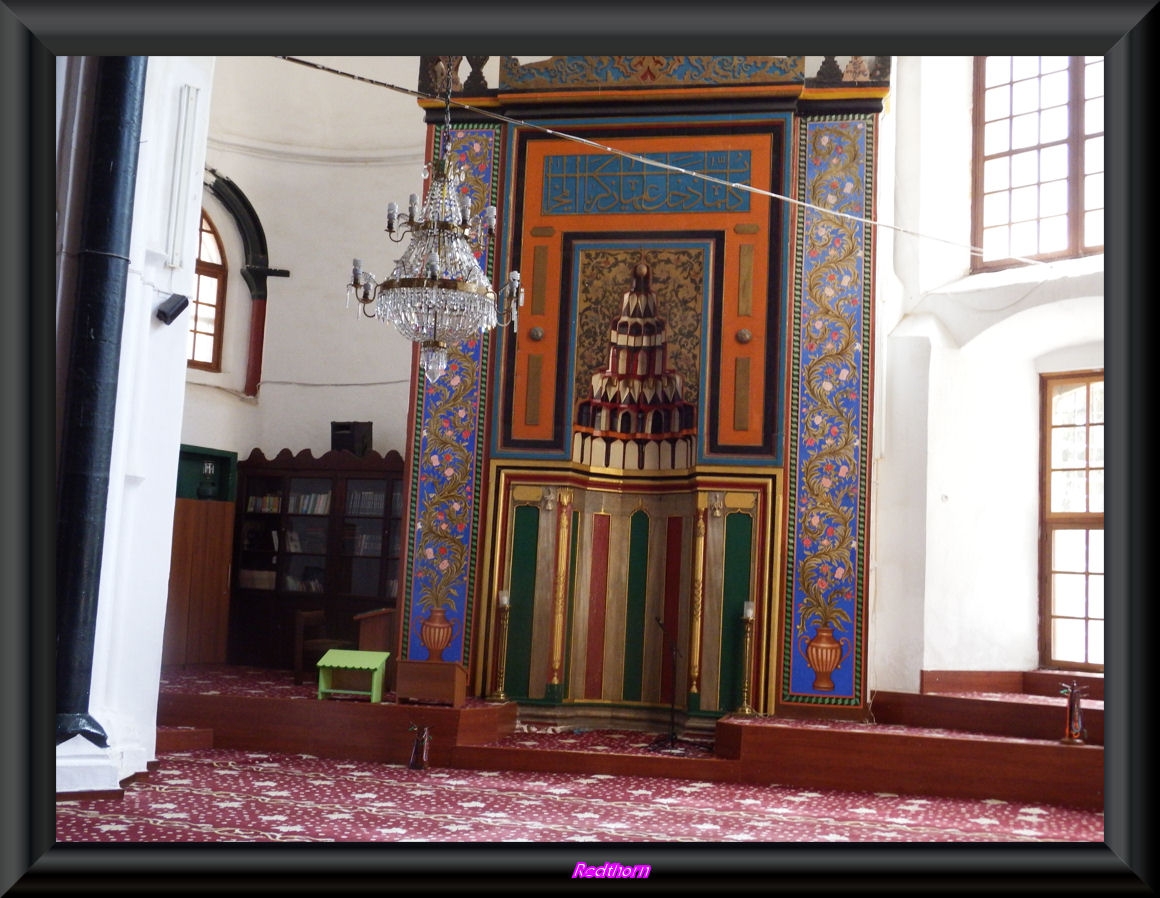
312, 533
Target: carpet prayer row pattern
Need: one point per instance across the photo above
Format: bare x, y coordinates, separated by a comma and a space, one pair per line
243, 796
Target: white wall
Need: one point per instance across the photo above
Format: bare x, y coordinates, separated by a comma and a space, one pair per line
218, 414
319, 156
150, 397
954, 560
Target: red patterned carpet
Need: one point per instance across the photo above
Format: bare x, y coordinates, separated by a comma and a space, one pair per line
255, 682
233, 796
218, 795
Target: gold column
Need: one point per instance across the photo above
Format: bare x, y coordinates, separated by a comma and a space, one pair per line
502, 614
560, 595
698, 597
746, 709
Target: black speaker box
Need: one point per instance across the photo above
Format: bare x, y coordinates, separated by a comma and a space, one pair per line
353, 436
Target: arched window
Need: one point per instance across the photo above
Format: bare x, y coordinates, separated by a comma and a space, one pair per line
207, 321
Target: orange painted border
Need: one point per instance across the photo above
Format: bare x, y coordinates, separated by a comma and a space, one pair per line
539, 231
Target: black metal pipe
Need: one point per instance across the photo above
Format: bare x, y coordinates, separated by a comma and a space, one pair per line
86, 445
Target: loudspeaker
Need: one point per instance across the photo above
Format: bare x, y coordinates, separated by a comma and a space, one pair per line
170, 308
353, 436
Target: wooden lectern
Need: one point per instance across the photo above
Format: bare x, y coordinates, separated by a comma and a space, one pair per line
442, 682
377, 633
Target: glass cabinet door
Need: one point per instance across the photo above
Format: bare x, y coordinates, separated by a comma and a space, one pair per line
306, 534
259, 533
361, 556
395, 543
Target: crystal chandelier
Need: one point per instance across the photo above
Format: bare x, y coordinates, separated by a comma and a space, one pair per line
437, 293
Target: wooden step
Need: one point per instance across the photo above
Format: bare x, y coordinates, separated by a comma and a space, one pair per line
916, 761
1014, 715
183, 738
1030, 682
1050, 682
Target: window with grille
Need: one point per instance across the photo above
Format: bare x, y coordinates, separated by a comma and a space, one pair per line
1072, 522
204, 346
1038, 159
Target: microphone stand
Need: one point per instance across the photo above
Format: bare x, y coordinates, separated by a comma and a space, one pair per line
673, 652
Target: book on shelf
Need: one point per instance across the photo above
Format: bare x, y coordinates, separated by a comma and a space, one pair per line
294, 584
366, 503
310, 503
251, 579
293, 543
312, 578
267, 504
368, 544
314, 540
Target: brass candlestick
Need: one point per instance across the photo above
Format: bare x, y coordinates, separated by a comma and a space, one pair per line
1074, 731
501, 660
746, 709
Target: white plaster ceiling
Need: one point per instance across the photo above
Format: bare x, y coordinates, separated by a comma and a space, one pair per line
273, 103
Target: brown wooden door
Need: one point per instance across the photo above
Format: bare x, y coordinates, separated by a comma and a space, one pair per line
197, 614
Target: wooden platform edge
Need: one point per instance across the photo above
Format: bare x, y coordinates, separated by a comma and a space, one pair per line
343, 729
1021, 720
753, 752
922, 763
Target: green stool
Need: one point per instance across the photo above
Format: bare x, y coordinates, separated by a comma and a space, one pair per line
374, 663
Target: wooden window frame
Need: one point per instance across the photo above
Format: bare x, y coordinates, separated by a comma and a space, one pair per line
220, 272
1075, 142
1052, 521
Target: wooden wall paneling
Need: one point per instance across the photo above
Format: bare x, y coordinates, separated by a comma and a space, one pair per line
217, 551
534, 412
614, 618
198, 616
197, 610
545, 579
173, 647
742, 348
597, 593
378, 631
711, 610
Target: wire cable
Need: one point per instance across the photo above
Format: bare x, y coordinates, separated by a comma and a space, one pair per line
644, 160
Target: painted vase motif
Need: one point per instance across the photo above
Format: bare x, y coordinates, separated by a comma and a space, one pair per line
824, 654
436, 633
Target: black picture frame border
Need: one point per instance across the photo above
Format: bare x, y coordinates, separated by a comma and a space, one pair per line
33, 31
